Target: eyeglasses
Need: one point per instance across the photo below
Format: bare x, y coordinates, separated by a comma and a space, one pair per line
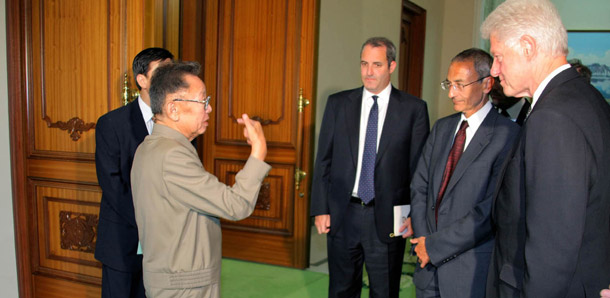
205, 102
446, 84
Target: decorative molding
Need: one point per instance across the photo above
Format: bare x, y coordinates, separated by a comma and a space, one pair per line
264, 121
264, 197
74, 126
78, 231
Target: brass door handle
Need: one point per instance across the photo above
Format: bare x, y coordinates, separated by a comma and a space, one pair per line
128, 94
299, 175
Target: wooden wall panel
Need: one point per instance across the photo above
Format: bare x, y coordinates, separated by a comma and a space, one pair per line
254, 54
66, 217
70, 41
274, 205
259, 56
67, 60
56, 288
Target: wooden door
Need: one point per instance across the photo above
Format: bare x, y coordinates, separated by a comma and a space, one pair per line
67, 60
259, 55
412, 38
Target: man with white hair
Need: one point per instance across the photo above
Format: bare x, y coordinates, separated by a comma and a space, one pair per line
552, 206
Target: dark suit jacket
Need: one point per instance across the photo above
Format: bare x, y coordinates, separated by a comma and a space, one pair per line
460, 245
404, 132
551, 211
117, 135
523, 113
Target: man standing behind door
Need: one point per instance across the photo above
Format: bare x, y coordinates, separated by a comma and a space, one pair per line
117, 135
452, 188
370, 140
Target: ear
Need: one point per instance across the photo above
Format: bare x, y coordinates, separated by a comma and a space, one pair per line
488, 84
392, 66
142, 81
172, 111
528, 46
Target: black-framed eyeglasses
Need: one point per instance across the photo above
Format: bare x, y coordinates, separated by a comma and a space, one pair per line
205, 102
446, 84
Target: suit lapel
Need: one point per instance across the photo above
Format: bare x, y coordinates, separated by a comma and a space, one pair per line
445, 141
137, 121
352, 117
392, 120
479, 141
559, 79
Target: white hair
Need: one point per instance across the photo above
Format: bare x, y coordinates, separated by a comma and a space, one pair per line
536, 18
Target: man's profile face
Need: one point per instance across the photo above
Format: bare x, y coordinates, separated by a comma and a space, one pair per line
510, 67
374, 68
193, 115
470, 98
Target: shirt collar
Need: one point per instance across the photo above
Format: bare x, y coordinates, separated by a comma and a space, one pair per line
475, 120
384, 95
146, 110
546, 82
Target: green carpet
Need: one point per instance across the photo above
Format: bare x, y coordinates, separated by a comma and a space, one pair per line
247, 279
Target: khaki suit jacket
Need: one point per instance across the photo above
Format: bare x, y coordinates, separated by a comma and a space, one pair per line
177, 206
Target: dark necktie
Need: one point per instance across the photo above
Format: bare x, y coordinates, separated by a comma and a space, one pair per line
452, 160
366, 185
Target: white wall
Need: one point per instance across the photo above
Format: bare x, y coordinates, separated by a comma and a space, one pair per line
8, 266
584, 14
344, 26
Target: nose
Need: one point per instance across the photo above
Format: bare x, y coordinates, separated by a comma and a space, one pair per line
495, 69
451, 91
369, 70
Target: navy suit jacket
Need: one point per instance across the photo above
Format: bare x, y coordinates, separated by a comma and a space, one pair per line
552, 208
117, 135
404, 132
460, 245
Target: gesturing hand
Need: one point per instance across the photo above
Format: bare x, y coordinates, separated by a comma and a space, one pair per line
253, 131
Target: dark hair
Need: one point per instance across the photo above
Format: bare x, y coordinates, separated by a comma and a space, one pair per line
168, 79
583, 70
390, 49
143, 59
481, 59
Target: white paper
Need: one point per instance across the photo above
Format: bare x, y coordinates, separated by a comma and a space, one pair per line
401, 212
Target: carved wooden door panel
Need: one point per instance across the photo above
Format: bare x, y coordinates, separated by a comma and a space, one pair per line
259, 55
67, 60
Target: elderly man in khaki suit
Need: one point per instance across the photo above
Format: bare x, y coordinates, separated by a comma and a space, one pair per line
177, 202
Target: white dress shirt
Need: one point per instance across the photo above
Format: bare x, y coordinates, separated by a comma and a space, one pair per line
147, 114
383, 98
474, 121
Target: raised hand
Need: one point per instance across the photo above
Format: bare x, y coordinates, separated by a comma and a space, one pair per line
253, 131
